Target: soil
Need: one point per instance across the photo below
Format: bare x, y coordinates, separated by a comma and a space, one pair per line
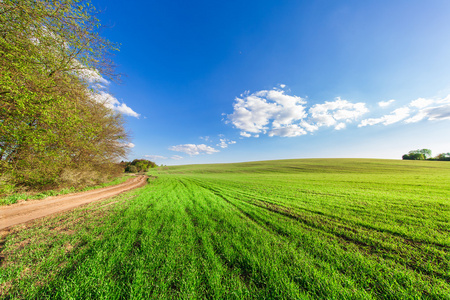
33, 209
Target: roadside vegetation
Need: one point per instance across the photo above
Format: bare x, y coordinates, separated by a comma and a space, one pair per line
55, 129
289, 229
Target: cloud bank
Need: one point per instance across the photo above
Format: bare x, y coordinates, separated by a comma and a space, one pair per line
336, 113
274, 113
394, 117
417, 110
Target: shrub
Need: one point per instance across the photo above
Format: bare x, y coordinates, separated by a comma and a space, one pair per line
138, 165
413, 156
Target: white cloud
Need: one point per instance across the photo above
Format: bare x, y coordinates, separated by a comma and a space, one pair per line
417, 110
308, 127
282, 86
192, 149
440, 110
421, 102
418, 117
274, 113
340, 126
431, 113
255, 113
206, 138
111, 102
439, 113
129, 145
329, 113
444, 100
288, 131
91, 76
98, 83
385, 103
225, 142
176, 157
155, 157
124, 109
394, 117
106, 99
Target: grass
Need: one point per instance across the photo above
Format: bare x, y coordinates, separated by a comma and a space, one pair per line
11, 199
292, 229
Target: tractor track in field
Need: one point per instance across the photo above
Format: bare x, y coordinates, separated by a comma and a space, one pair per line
26, 211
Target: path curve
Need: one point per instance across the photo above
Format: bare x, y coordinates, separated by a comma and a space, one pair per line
33, 209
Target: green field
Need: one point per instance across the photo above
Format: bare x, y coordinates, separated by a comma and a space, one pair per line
290, 229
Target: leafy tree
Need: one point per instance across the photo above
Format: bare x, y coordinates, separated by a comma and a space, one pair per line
426, 152
443, 156
138, 165
131, 169
413, 156
420, 154
50, 55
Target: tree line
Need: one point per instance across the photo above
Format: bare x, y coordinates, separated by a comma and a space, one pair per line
425, 154
53, 131
138, 165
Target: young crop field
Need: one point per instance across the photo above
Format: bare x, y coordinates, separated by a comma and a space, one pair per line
288, 229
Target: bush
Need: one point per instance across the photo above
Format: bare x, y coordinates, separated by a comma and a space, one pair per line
138, 165
6, 186
413, 156
131, 169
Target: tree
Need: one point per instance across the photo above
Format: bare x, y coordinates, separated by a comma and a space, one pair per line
419, 154
413, 156
426, 153
443, 156
138, 165
50, 56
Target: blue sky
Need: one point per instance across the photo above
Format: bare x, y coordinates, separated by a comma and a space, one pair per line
229, 81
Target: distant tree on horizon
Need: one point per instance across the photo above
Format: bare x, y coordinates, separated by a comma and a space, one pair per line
419, 154
138, 165
443, 156
425, 154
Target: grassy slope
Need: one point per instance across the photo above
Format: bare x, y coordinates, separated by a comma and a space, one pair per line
342, 228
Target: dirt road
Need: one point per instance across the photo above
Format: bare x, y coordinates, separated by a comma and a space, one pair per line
29, 210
